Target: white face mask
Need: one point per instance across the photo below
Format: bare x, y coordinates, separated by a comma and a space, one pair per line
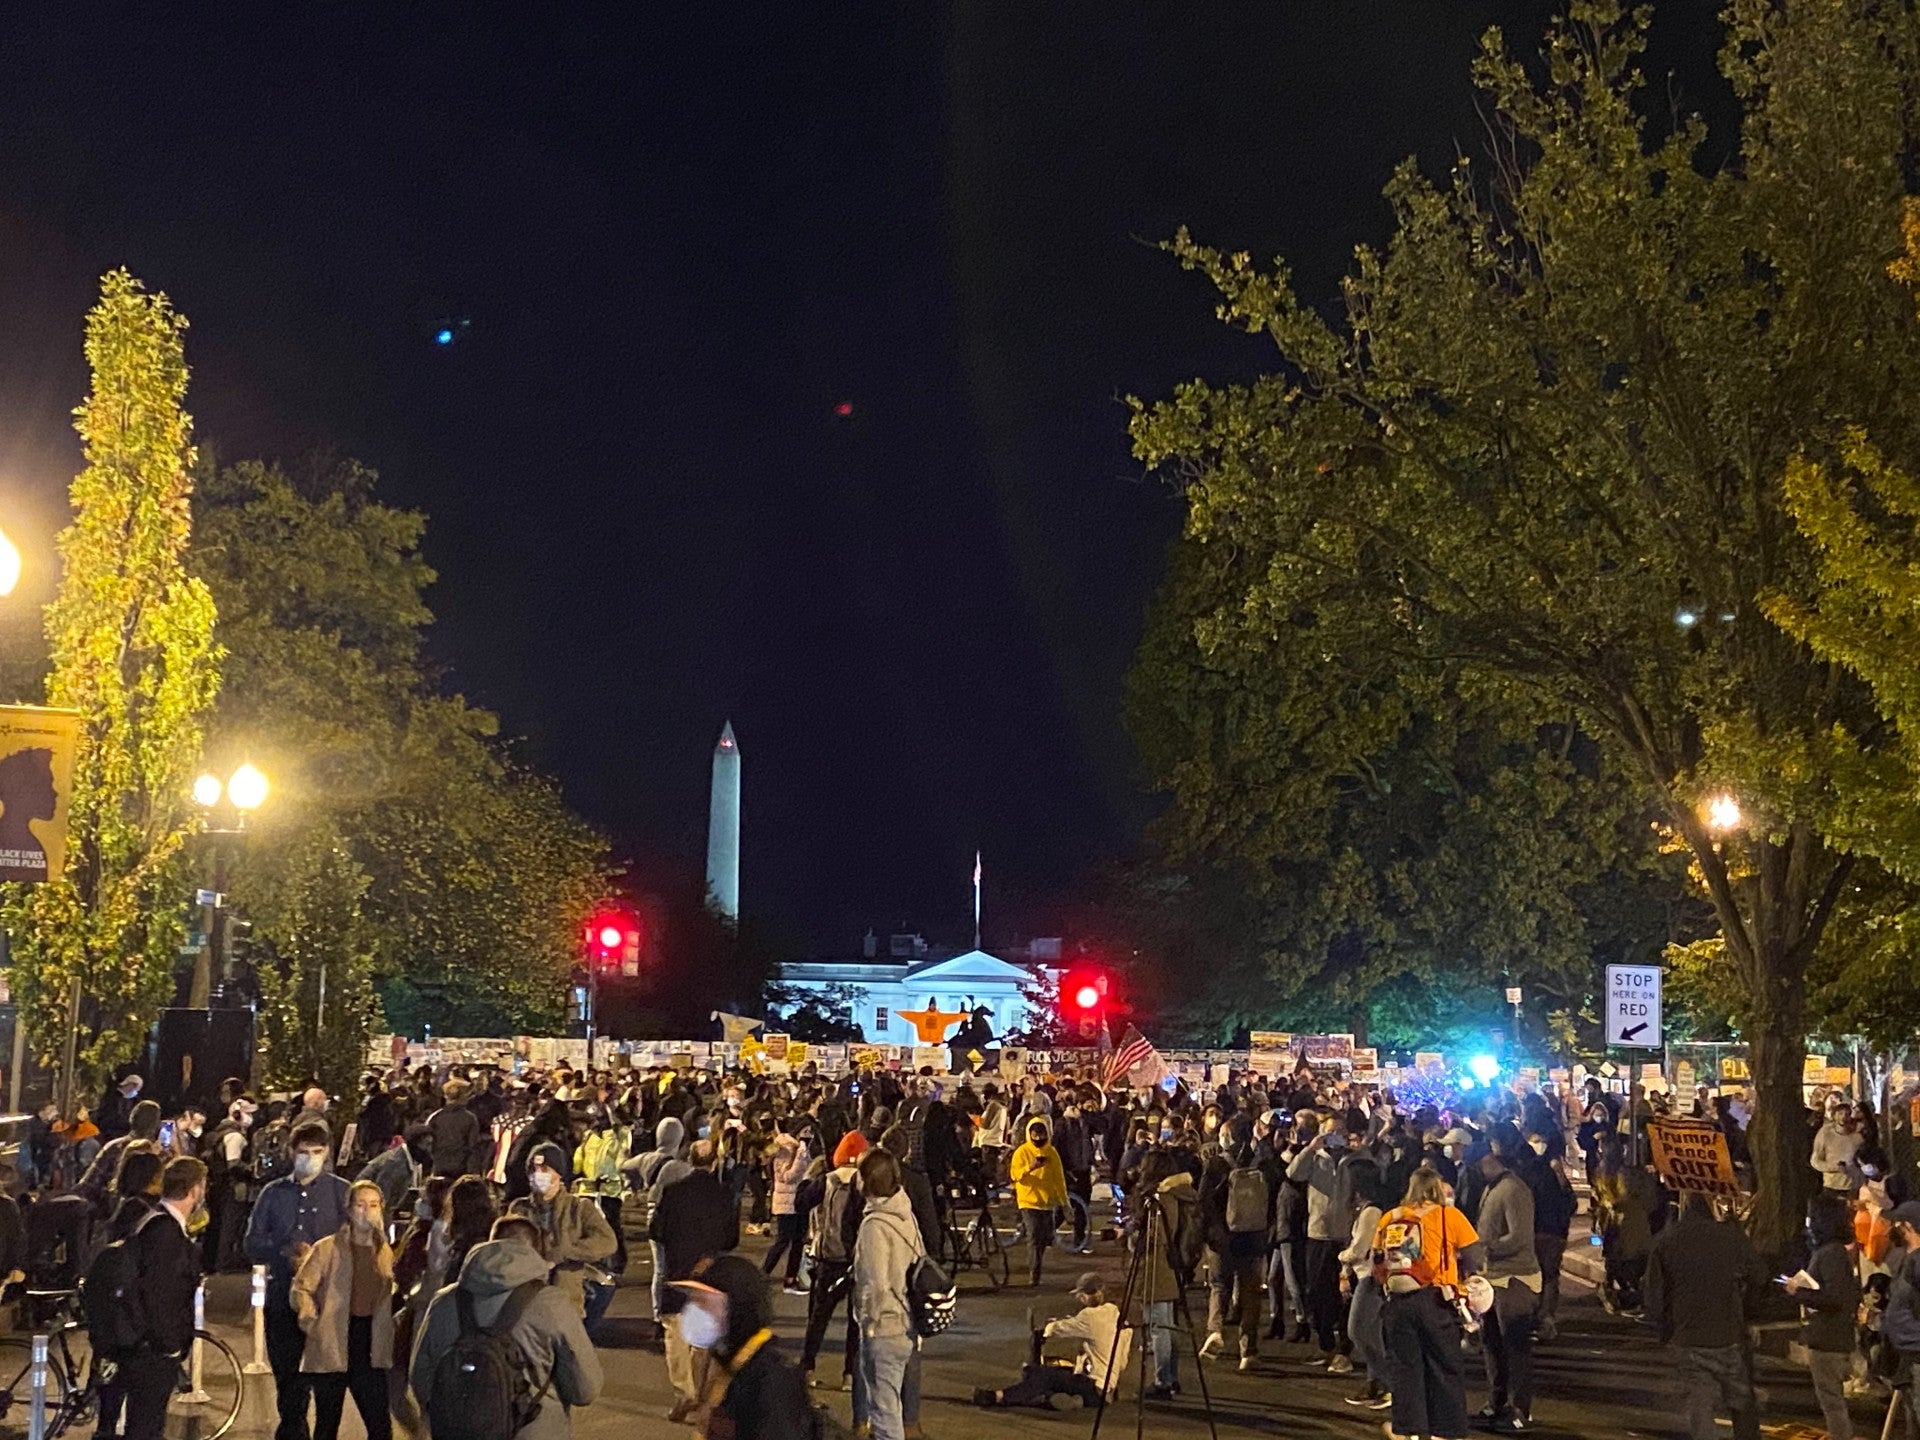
701, 1328
194, 1130
543, 1181
1539, 1144
306, 1166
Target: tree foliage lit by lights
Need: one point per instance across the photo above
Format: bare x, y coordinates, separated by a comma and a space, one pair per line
1537, 483
471, 876
130, 640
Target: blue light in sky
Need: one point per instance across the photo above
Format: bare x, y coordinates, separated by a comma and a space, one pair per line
445, 337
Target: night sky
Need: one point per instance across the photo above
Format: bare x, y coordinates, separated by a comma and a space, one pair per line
684, 237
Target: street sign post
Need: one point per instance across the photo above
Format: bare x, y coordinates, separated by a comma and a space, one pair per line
1633, 1006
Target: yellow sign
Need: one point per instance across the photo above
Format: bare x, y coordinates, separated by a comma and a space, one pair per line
865, 1057
36, 781
1692, 1155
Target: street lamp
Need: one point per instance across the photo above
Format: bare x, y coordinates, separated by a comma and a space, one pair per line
246, 791
1723, 814
9, 564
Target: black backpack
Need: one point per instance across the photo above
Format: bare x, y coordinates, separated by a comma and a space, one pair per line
480, 1386
111, 1294
931, 1296
270, 1158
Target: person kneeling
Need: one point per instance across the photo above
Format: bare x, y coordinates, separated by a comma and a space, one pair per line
1099, 1365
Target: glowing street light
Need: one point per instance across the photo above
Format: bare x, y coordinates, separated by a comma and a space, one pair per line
1723, 813
206, 791
9, 564
1484, 1068
247, 789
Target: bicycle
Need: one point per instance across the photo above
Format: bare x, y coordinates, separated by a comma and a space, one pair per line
978, 1246
73, 1381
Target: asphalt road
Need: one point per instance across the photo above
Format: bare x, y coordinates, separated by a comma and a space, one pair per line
1603, 1379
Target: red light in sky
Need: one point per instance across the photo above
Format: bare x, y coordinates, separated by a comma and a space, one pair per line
843, 409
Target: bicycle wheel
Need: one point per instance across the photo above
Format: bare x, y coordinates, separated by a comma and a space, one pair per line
209, 1412
16, 1366
1080, 1218
985, 1250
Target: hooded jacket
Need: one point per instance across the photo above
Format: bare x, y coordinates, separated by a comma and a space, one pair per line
550, 1334
662, 1165
888, 1242
1039, 1180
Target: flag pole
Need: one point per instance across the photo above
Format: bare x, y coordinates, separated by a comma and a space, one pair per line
976, 899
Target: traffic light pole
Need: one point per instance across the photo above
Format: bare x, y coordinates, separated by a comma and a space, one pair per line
593, 1001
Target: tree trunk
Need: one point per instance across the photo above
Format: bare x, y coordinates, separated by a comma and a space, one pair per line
1778, 1136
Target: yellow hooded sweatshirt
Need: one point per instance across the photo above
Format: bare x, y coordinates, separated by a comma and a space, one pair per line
1039, 1180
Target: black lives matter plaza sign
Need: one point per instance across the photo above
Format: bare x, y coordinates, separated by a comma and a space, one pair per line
1633, 1005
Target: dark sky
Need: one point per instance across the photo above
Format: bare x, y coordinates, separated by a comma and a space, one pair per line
683, 235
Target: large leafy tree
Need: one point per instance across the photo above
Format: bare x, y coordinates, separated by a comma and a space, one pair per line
467, 876
130, 639
1541, 464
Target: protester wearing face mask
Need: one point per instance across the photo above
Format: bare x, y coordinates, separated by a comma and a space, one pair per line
695, 1220
343, 1296
575, 1234
1331, 1207
292, 1215
750, 1390
225, 1154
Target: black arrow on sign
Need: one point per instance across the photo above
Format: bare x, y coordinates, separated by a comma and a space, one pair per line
1633, 1030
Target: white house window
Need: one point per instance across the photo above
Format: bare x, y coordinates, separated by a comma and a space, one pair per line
880, 1017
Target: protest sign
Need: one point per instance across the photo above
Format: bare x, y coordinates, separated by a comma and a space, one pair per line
1692, 1155
1271, 1054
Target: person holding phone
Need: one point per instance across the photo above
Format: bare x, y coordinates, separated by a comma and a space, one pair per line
1829, 1294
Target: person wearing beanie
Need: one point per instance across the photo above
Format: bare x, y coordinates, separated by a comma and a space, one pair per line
574, 1233
726, 1309
832, 1228
697, 1218
852, 1146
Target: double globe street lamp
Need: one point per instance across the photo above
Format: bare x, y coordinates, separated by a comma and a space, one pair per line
233, 799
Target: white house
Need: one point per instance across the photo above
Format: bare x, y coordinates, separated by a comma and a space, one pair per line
890, 985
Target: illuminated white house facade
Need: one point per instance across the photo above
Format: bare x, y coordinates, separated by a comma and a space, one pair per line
890, 984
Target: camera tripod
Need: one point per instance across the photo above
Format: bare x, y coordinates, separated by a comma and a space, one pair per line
1156, 1236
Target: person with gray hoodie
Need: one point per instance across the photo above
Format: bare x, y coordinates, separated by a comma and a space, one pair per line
547, 1329
1321, 1169
887, 1245
651, 1173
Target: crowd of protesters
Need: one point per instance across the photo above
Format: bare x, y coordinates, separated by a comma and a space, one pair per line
1390, 1239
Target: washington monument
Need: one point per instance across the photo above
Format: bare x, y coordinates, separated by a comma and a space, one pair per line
723, 827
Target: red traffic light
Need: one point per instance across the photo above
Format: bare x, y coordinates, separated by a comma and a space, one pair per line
613, 934
1087, 997
1084, 991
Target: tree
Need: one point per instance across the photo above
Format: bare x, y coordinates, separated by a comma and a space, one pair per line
825, 1016
314, 962
477, 878
130, 638
1537, 477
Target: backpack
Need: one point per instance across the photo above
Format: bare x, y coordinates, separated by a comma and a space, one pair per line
1399, 1249
480, 1386
110, 1291
1187, 1243
827, 1225
931, 1293
1246, 1201
931, 1296
913, 1127
270, 1157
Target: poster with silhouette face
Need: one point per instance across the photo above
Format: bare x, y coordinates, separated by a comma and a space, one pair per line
36, 780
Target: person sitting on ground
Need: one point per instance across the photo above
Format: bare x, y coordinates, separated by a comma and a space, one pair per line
1099, 1365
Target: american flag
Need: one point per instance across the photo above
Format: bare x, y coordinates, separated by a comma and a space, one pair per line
1135, 1050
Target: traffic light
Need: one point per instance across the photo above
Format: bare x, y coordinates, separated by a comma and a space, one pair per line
613, 939
1083, 999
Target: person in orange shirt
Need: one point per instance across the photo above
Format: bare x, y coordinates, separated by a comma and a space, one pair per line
1422, 1250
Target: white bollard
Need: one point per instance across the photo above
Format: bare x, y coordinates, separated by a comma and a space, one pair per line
196, 1393
258, 1364
37, 1402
